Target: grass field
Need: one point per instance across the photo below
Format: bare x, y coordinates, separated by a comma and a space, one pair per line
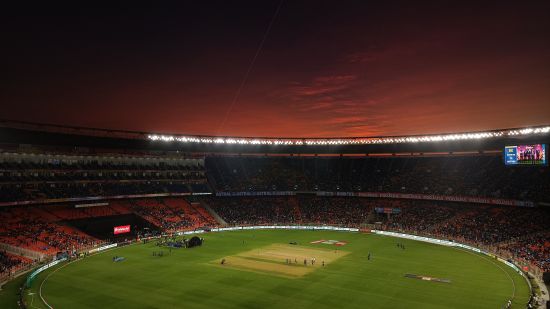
256, 275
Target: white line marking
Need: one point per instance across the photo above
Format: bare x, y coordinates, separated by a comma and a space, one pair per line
497, 265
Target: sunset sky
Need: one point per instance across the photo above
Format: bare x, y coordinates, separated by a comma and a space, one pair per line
326, 68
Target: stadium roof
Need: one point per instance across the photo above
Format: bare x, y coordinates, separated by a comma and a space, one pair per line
38, 133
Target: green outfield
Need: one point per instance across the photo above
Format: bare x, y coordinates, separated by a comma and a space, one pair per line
262, 270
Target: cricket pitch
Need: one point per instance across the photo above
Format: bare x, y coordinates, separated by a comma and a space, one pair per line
273, 260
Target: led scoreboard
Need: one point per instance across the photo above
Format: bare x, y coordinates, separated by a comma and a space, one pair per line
121, 229
525, 155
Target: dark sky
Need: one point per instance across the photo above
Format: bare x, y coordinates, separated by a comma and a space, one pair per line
327, 68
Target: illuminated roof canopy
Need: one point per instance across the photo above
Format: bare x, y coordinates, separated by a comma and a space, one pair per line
351, 140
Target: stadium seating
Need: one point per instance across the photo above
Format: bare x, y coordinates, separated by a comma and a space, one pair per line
46, 228
32, 228
476, 175
499, 228
25, 177
521, 233
10, 263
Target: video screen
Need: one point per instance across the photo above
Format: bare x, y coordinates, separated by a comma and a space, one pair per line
121, 229
525, 155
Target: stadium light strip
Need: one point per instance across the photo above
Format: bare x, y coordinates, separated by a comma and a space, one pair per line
351, 140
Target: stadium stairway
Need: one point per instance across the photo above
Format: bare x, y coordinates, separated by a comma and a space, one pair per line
371, 217
213, 213
205, 214
23, 252
22, 259
295, 204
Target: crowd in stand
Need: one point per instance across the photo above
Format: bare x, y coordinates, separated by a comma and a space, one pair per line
26, 177
106, 163
48, 229
96, 175
9, 262
512, 229
516, 230
334, 211
520, 232
155, 211
43, 236
420, 216
253, 211
39, 191
484, 176
490, 225
533, 248
31, 228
